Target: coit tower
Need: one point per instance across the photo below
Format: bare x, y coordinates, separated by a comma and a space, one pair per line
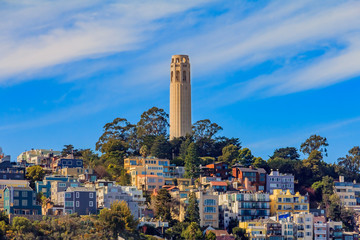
180, 96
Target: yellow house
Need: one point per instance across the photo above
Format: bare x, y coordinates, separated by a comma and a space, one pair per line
282, 202
255, 230
142, 162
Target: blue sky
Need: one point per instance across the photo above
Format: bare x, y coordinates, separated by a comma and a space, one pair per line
270, 72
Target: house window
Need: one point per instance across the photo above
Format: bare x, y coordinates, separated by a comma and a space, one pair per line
77, 203
91, 195
16, 202
78, 163
24, 194
77, 194
62, 184
69, 204
24, 203
67, 195
90, 203
16, 193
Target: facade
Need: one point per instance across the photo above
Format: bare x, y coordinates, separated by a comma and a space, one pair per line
107, 195
218, 186
320, 228
76, 171
283, 202
256, 176
10, 183
288, 229
262, 229
37, 156
149, 182
304, 222
180, 96
243, 206
335, 230
220, 169
79, 200
58, 187
69, 163
349, 193
276, 180
21, 200
44, 186
143, 162
10, 170
208, 209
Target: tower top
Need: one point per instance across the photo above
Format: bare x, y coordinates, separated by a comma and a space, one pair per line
179, 59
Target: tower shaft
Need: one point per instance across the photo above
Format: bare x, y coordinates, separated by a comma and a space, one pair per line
180, 96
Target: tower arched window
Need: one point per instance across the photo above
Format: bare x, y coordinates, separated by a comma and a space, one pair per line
184, 76
172, 76
177, 77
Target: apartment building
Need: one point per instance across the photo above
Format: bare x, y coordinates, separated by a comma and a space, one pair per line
44, 186
60, 187
349, 193
79, 200
320, 228
208, 209
304, 222
10, 183
261, 229
283, 202
256, 176
276, 180
243, 206
21, 200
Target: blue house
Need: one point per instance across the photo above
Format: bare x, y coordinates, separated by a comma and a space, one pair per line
69, 163
81, 200
21, 200
44, 186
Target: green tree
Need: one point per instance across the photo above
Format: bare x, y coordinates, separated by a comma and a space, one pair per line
22, 225
162, 206
69, 149
239, 233
205, 129
245, 157
161, 148
121, 130
114, 151
90, 158
351, 164
191, 162
34, 173
286, 153
314, 142
315, 164
230, 154
175, 231
153, 122
210, 236
192, 232
260, 163
284, 165
118, 219
192, 211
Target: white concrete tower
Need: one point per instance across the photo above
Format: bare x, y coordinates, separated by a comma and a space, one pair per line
180, 96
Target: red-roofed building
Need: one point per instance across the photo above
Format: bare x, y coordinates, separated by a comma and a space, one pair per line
256, 176
219, 186
221, 234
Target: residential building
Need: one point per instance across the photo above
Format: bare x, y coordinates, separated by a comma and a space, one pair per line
21, 200
45, 186
334, 230
257, 176
320, 228
68, 162
218, 186
10, 183
282, 202
137, 196
304, 222
262, 229
276, 180
288, 229
37, 156
75, 171
349, 193
10, 170
142, 162
243, 206
80, 200
219, 169
107, 195
208, 209
59, 187
149, 182
221, 234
